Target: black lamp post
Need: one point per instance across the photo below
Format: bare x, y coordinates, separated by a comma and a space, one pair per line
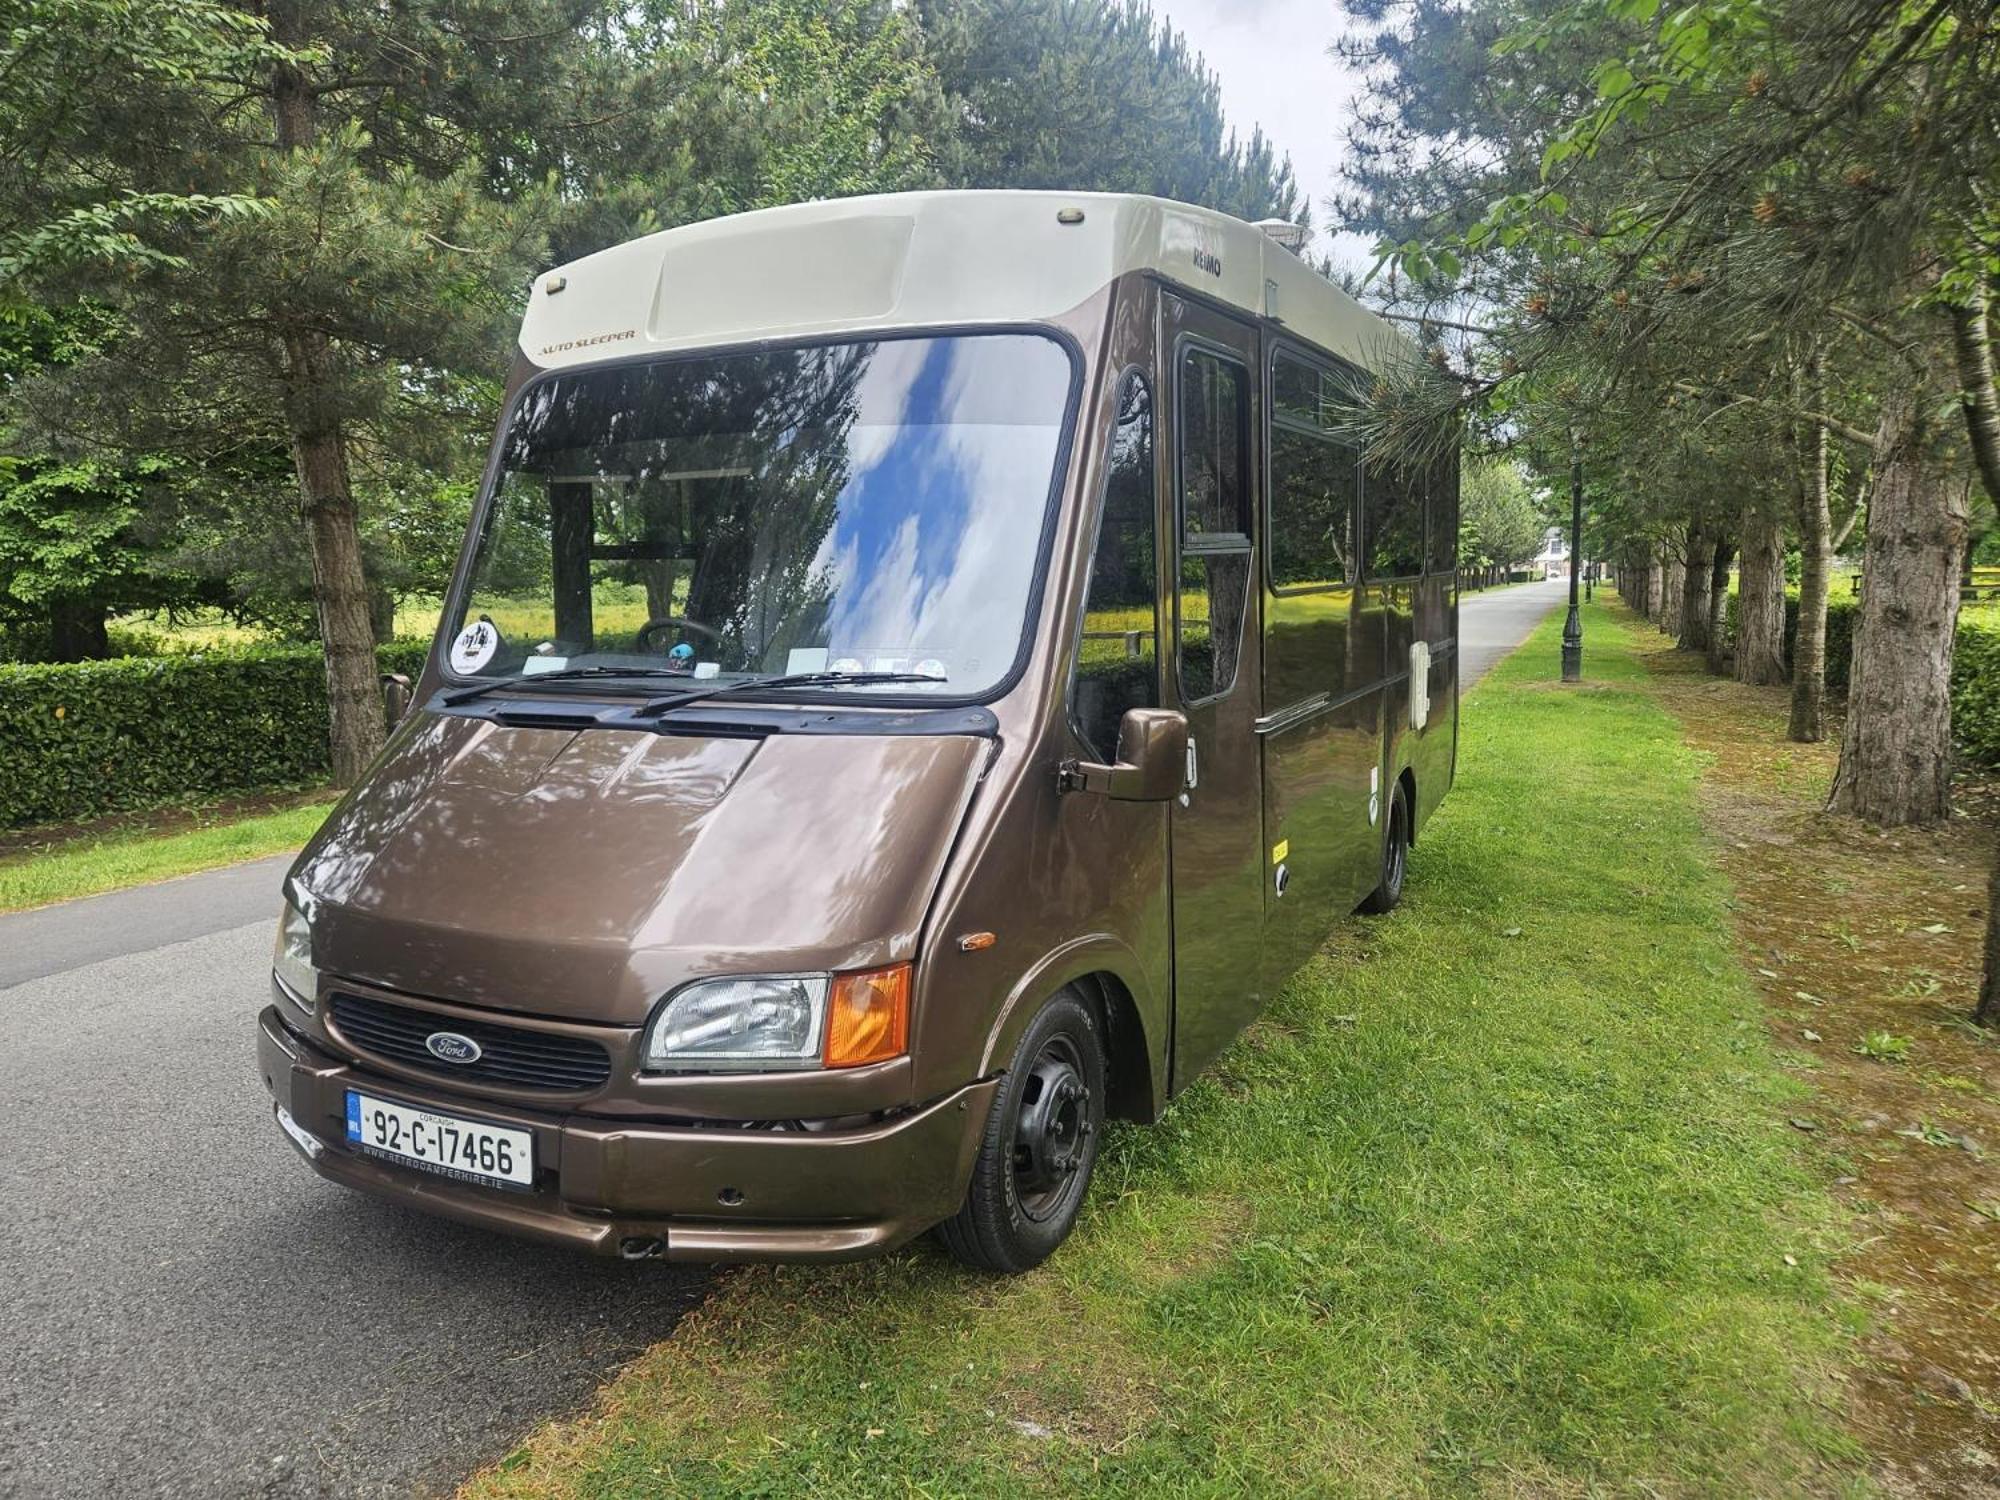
1572, 653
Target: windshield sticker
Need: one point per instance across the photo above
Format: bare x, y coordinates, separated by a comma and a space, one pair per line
473, 647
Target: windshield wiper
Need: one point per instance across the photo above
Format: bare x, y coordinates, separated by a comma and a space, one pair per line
789, 680
566, 674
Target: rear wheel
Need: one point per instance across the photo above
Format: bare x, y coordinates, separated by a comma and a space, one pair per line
1395, 856
1040, 1144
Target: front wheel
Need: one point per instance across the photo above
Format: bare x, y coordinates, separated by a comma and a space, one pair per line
1040, 1144
1395, 857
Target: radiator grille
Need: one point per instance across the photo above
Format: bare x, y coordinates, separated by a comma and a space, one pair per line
509, 1055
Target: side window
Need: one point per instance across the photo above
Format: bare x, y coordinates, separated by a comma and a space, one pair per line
1214, 581
1442, 494
1394, 528
1117, 663
1315, 485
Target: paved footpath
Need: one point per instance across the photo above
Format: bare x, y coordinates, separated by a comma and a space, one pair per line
191, 1312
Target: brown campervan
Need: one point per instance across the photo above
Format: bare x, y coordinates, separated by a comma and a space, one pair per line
922, 670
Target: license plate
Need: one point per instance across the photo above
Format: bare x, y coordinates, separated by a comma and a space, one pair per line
470, 1150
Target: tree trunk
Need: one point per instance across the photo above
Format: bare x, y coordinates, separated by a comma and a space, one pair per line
1673, 588
1895, 754
1696, 580
77, 631
1808, 725
1972, 343
333, 531
1760, 599
1718, 607
1654, 586
381, 614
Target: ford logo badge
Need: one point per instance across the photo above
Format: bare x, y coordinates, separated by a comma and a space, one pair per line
449, 1046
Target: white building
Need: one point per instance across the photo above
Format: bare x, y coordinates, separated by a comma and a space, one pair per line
1553, 559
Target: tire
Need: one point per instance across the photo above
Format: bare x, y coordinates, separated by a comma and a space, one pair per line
1388, 892
1027, 1188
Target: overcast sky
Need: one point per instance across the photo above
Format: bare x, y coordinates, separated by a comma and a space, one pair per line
1271, 58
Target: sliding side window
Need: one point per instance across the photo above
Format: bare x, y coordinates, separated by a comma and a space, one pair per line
1214, 497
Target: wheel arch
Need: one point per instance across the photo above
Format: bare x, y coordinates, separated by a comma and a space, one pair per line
1107, 974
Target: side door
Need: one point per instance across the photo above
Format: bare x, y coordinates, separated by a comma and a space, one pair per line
1321, 727
1218, 855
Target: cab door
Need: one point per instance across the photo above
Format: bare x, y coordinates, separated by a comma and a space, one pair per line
1218, 900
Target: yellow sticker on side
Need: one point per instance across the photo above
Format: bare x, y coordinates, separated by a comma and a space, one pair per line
1279, 850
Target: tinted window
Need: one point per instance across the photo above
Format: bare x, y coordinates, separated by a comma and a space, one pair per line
1394, 530
1117, 660
1314, 490
1214, 581
1214, 426
1442, 494
1296, 391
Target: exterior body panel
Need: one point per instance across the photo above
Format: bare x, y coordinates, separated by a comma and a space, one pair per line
584, 875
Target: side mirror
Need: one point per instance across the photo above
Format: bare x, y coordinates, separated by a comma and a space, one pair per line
1152, 759
395, 697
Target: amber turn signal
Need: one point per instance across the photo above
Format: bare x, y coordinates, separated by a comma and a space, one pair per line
868, 1017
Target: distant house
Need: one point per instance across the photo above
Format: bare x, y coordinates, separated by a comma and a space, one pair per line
1553, 560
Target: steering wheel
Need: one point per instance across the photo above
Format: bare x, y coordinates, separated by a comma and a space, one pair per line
644, 639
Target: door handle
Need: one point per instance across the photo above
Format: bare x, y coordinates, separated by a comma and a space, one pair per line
1193, 778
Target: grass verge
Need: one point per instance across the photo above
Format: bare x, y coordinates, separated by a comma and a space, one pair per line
90, 865
1498, 1198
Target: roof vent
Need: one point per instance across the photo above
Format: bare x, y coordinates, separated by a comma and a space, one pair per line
1285, 232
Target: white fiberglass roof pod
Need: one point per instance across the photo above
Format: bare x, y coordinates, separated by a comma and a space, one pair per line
915, 260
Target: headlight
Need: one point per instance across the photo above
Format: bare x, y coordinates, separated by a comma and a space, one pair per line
293, 960
782, 1021
718, 1024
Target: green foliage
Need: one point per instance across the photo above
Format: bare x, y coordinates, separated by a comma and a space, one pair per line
1975, 671
1498, 522
75, 77
1883, 1046
81, 536
102, 736
1975, 691
1094, 95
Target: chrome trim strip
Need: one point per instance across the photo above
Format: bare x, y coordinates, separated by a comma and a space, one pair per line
1295, 713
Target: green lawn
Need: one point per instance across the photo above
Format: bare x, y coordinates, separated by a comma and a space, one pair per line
87, 866
1498, 1199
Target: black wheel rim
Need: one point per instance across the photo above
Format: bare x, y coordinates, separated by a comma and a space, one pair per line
1052, 1130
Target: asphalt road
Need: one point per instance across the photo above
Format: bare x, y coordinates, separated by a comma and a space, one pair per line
1494, 623
189, 1311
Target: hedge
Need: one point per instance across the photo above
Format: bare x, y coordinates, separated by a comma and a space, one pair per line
1975, 692
106, 736
1975, 672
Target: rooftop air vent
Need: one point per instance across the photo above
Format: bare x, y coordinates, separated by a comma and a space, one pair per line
1285, 232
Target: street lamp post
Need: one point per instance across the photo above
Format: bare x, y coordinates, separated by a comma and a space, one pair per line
1572, 652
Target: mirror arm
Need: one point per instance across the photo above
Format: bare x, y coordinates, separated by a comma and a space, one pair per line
396, 690
1092, 776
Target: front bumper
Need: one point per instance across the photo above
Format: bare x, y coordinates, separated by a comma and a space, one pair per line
614, 1187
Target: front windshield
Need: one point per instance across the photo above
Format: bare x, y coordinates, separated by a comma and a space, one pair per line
859, 507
